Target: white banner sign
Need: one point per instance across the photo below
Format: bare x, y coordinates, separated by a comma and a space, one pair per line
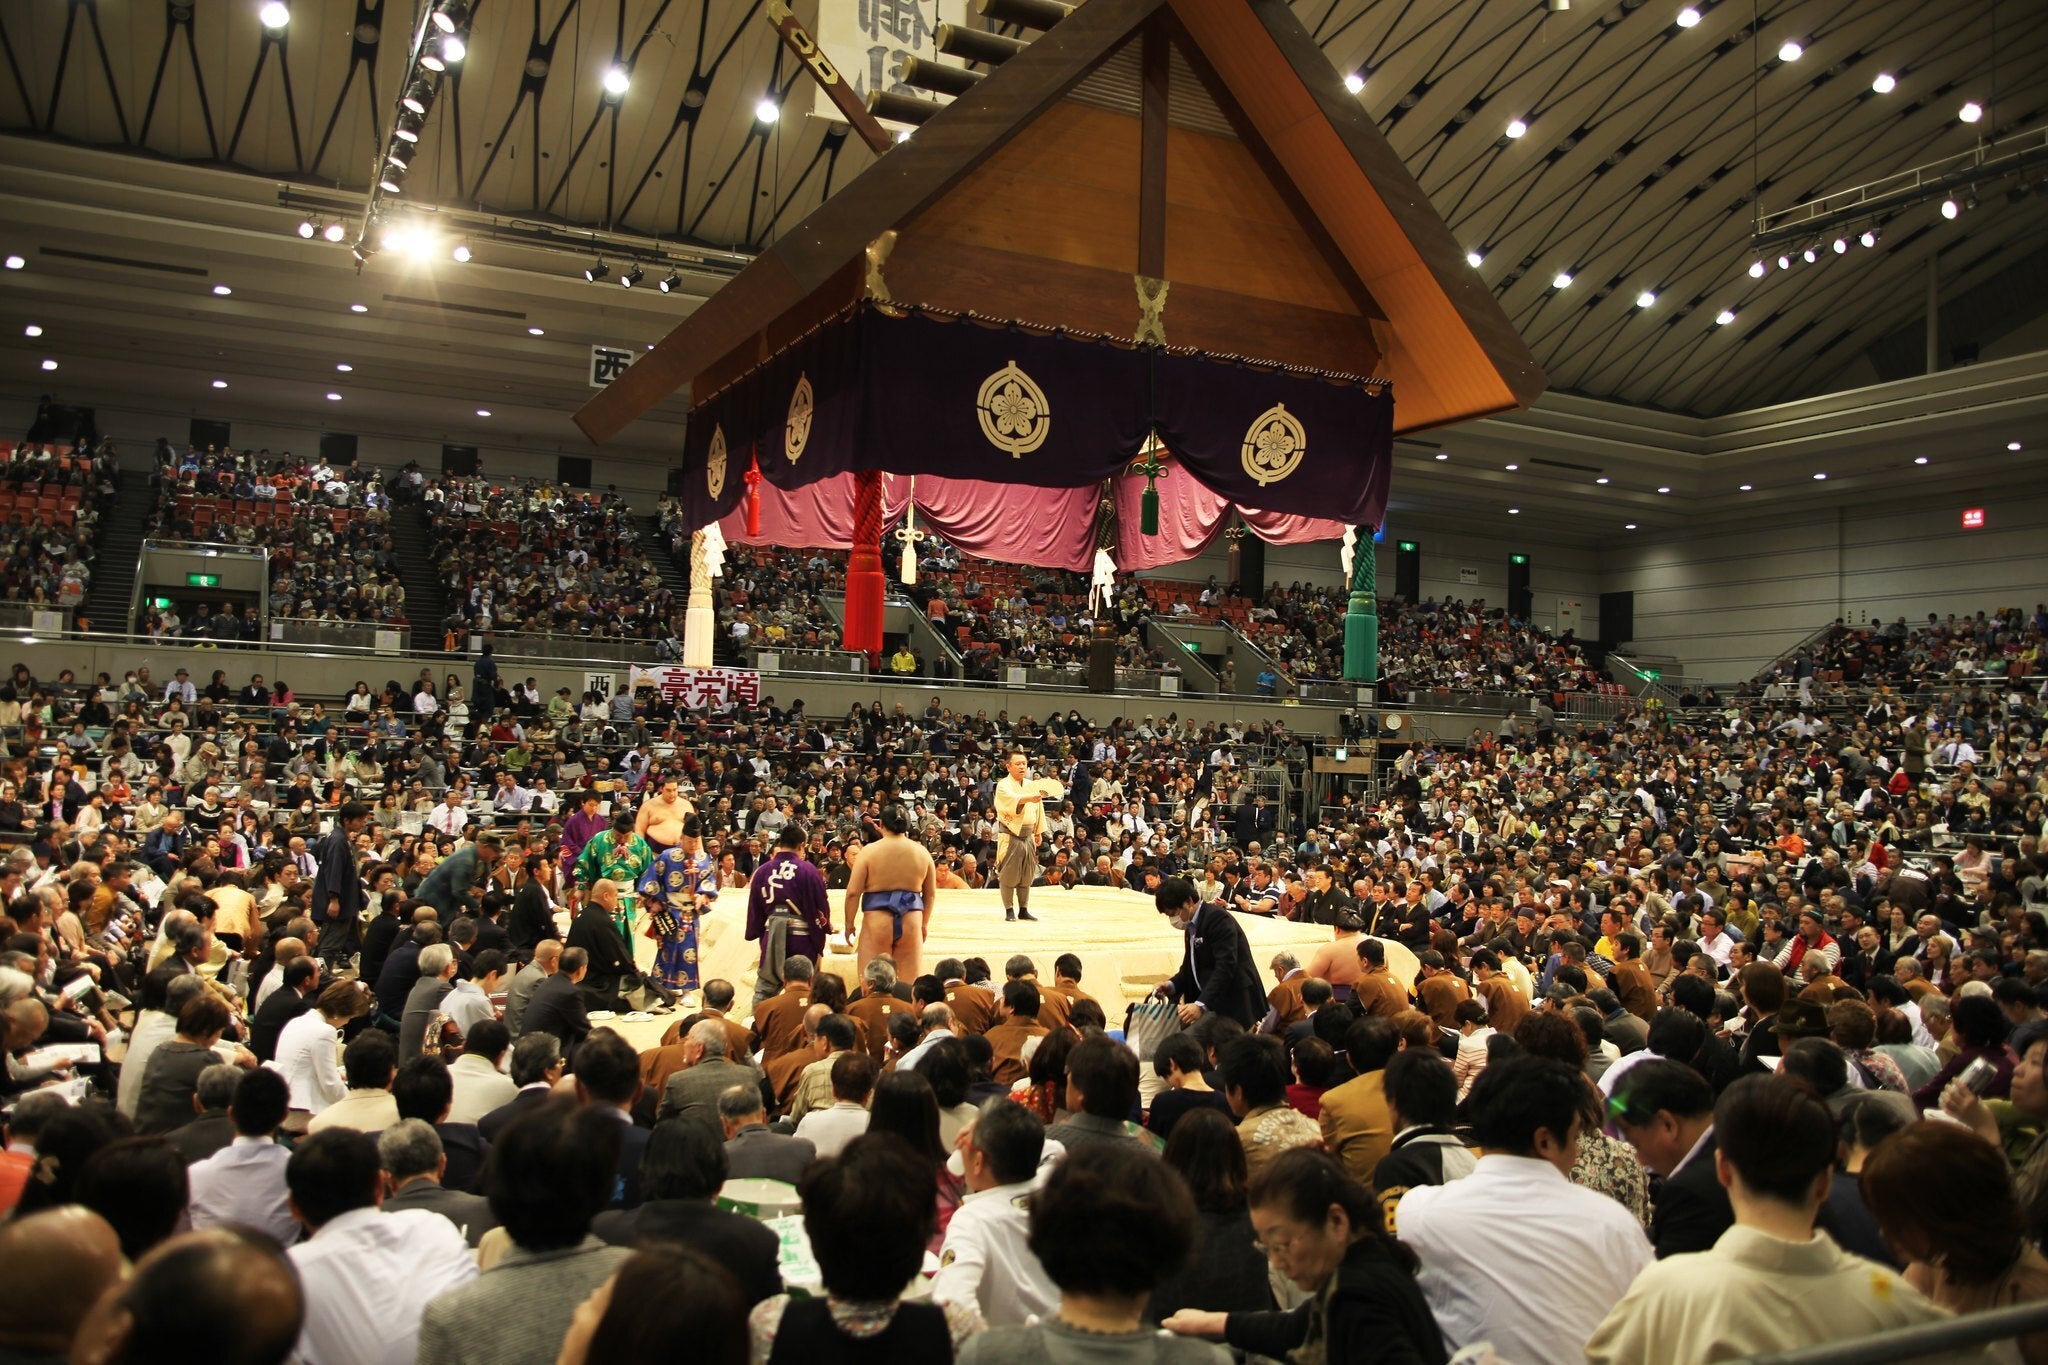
609, 362
700, 686
1468, 575
600, 683
868, 40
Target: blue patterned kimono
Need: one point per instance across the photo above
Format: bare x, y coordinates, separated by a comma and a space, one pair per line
673, 882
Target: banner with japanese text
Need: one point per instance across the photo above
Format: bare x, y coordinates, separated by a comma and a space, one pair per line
699, 687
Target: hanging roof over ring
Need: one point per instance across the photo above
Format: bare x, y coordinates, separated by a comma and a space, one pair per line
1208, 144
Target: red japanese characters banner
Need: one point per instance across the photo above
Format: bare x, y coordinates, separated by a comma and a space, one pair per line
699, 686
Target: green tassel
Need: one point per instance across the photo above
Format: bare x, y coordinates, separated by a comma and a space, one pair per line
1148, 514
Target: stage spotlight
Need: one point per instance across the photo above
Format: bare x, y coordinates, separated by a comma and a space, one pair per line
633, 276
673, 283
307, 228
596, 270
418, 96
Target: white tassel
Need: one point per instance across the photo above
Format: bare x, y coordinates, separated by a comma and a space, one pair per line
714, 549
1344, 555
1102, 587
908, 567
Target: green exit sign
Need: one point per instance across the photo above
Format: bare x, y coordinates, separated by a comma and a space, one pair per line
1652, 674
202, 580
1518, 559
160, 603
1409, 547
1189, 646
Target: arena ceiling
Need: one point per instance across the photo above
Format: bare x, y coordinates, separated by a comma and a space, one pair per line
163, 146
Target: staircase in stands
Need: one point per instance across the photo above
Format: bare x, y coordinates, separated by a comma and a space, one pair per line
118, 556
426, 602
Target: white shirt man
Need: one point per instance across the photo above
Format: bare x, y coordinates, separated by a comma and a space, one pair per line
244, 1183
449, 817
831, 1128
367, 1278
1485, 1276
468, 1003
479, 1088
986, 1259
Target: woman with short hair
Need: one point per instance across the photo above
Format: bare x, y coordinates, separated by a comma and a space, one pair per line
1323, 1230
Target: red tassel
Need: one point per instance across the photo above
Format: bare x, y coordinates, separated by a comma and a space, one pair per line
753, 478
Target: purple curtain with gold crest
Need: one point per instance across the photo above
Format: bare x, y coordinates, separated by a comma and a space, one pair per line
1010, 431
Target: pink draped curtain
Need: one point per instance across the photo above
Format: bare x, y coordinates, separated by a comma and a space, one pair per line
1046, 527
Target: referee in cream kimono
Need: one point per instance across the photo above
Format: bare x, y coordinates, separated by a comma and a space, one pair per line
1020, 820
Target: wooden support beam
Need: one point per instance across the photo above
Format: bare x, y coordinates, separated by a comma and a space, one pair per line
1155, 71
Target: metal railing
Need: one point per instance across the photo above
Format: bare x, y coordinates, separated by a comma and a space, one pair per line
838, 663
1928, 1341
360, 635
45, 618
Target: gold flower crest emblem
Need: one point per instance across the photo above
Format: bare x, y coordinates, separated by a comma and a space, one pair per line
1015, 415
1274, 445
714, 463
796, 431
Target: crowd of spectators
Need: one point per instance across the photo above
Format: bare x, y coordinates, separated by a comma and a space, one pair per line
1939, 652
52, 500
541, 558
1738, 950
514, 556
1001, 615
328, 531
1429, 646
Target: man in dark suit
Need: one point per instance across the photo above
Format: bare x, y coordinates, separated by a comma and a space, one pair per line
611, 965
531, 918
684, 1167
1666, 1111
338, 894
608, 1080
547, 958
1216, 973
401, 970
1255, 822
752, 1152
212, 1127
413, 1160
557, 1006
1327, 903
292, 998
536, 1065
1623, 1029
424, 1090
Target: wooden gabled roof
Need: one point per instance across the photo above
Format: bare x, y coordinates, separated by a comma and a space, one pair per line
1206, 142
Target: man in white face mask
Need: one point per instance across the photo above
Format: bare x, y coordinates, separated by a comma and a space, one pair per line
1217, 972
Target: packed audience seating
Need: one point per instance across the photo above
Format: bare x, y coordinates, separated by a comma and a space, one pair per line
1424, 647
1628, 937
532, 557
517, 557
328, 531
2009, 643
52, 499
